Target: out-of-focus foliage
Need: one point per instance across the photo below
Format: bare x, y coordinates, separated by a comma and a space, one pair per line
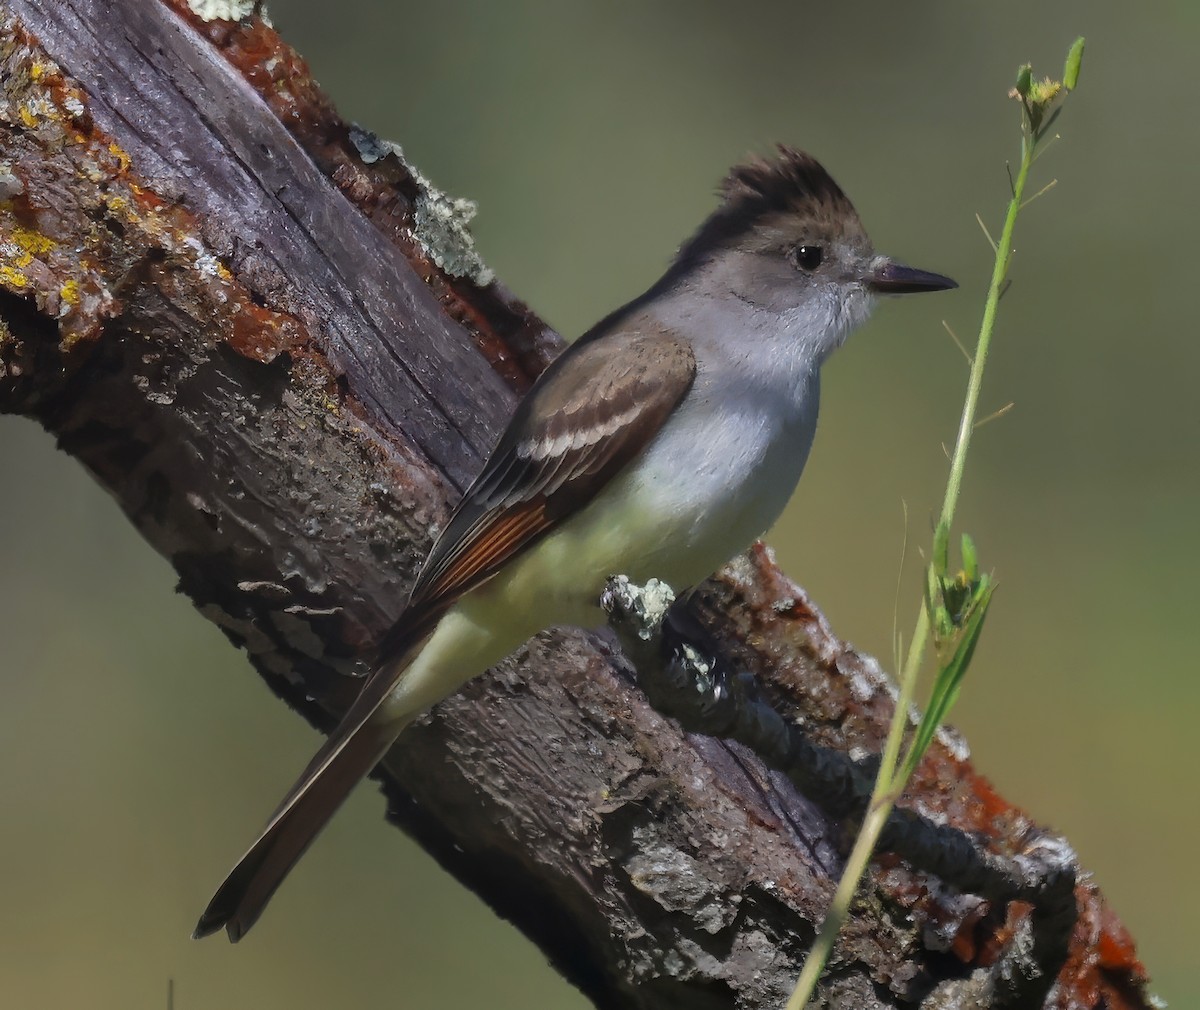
138, 754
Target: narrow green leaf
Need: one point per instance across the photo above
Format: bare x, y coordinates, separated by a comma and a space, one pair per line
939, 617
1071, 70
970, 559
941, 548
949, 679
1024, 79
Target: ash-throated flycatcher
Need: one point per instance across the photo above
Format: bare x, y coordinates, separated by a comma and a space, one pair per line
658, 445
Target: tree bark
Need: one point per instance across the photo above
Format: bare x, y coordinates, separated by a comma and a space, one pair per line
271, 342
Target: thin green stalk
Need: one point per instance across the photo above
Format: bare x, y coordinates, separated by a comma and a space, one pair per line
975, 382
835, 918
890, 782
885, 784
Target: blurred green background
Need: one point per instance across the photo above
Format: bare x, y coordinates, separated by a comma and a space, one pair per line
139, 753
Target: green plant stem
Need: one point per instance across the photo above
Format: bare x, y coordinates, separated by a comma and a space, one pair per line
886, 784
889, 786
999, 272
839, 908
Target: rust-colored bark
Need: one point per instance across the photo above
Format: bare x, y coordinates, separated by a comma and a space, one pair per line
217, 297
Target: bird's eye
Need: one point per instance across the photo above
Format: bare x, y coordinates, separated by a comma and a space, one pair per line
808, 257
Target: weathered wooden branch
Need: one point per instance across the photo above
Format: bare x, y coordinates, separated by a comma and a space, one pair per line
272, 344
686, 677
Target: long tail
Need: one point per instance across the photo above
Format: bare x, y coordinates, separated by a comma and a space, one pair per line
354, 748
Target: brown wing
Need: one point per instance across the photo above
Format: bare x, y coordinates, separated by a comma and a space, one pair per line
588, 415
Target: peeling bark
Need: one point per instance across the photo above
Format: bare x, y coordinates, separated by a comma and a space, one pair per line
240, 315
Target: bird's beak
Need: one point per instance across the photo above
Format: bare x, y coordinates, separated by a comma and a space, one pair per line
891, 278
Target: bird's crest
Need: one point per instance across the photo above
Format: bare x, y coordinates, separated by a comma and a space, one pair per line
792, 183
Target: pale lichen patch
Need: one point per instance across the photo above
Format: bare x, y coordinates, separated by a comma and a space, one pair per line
223, 10
954, 742
866, 676
10, 183
205, 261
440, 221
645, 606
440, 225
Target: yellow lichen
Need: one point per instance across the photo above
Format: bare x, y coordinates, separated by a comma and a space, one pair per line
31, 243
12, 278
69, 339
116, 151
17, 249
69, 292
38, 109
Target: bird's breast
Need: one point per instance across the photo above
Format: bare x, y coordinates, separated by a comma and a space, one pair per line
718, 474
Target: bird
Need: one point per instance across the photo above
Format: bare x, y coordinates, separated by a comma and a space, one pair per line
659, 444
